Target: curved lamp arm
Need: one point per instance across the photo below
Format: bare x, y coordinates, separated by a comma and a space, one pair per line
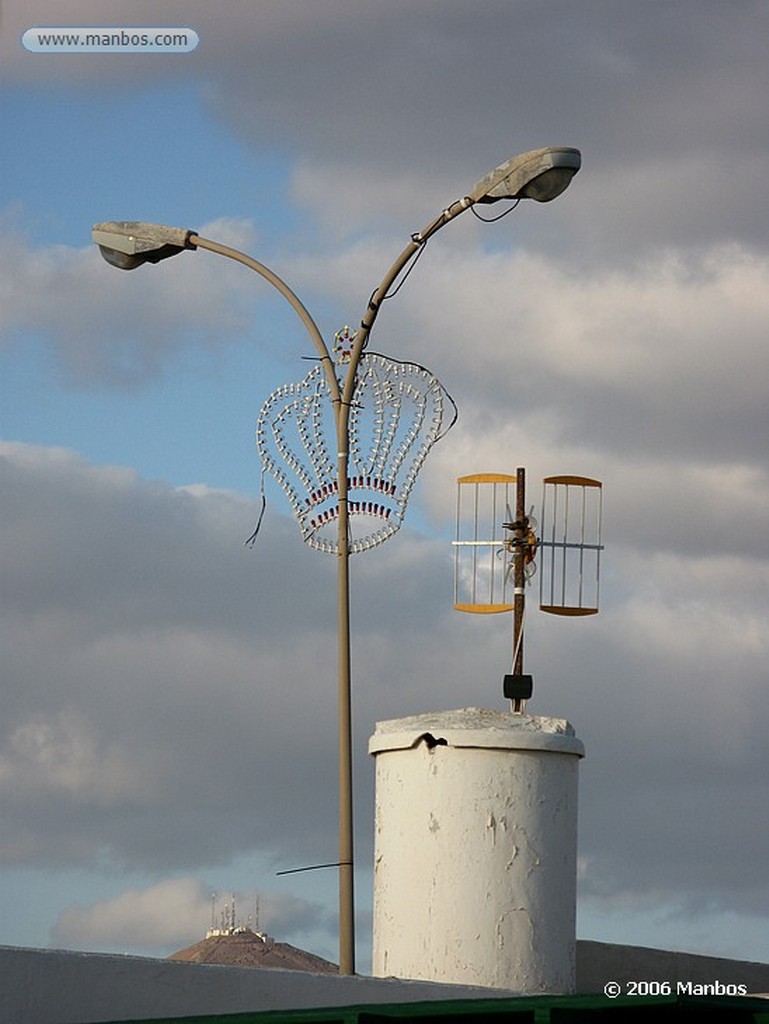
418, 240
196, 241
539, 174
128, 244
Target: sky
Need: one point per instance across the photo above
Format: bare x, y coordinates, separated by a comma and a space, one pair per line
168, 728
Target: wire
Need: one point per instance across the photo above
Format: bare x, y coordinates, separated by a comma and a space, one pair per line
519, 639
249, 543
491, 220
314, 867
423, 369
413, 263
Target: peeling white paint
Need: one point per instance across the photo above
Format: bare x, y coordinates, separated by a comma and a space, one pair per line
476, 842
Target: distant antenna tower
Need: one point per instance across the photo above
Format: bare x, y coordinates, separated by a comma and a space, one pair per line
495, 553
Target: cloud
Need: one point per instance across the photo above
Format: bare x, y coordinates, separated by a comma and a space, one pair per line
119, 331
59, 755
160, 674
664, 362
175, 913
642, 113
639, 90
118, 662
166, 914
668, 354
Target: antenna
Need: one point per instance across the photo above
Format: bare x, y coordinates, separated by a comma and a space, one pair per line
571, 545
488, 580
481, 578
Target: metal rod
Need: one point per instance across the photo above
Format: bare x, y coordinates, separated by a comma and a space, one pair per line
506, 577
582, 544
519, 577
492, 554
457, 554
341, 406
563, 545
473, 597
600, 549
552, 557
198, 242
346, 850
311, 867
565, 535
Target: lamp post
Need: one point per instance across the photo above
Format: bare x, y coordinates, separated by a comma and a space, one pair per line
540, 174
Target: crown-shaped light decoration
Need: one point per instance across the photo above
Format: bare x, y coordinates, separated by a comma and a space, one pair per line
397, 414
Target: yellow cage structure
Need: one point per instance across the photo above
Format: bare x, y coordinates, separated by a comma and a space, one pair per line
499, 546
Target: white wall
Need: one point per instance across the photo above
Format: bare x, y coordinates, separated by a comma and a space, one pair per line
58, 987
55, 987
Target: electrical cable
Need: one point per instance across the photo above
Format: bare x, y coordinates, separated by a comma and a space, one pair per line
249, 543
423, 369
492, 220
412, 263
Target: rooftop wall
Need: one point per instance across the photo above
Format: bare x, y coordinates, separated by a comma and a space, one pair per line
61, 987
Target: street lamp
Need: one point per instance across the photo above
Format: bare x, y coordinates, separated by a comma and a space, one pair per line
540, 174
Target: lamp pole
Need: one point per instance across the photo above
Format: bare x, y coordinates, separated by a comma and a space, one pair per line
541, 175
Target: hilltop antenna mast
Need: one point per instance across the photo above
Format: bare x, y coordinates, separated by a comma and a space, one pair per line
571, 548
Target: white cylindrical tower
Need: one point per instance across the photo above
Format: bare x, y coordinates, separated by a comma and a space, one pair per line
475, 856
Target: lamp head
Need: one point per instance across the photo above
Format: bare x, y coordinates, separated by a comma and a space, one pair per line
540, 174
127, 244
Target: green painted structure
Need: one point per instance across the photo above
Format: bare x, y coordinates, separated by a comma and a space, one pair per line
581, 1009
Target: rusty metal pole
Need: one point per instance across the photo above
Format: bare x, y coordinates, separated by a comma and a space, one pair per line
346, 843
519, 578
342, 417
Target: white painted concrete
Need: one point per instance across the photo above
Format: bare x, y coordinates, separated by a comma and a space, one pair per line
602, 962
43, 986
476, 850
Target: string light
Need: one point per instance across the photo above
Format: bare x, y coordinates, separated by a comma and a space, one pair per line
397, 414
